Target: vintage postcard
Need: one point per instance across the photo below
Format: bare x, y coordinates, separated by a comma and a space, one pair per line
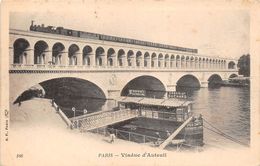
130, 83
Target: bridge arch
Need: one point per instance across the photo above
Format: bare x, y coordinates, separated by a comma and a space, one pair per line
111, 57
121, 57
40, 48
154, 60
73, 54
95, 90
214, 79
152, 85
166, 60
160, 60
203, 66
100, 56
183, 61
219, 64
178, 61
192, 61
231, 65
233, 75
87, 55
210, 63
20, 48
206, 63
139, 58
172, 61
130, 58
58, 50
196, 63
73, 86
199, 63
187, 62
189, 81
68, 92
146, 59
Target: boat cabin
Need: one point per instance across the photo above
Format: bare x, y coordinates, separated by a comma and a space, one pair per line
165, 109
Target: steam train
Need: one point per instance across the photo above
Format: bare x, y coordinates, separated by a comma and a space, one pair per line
89, 35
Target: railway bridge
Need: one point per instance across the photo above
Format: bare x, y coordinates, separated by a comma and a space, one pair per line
106, 68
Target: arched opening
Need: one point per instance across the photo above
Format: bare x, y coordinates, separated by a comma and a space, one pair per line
187, 82
231, 65
166, 60
207, 63
192, 62
219, 64
196, 62
183, 65
152, 86
100, 53
210, 63
73, 52
20, 47
154, 59
199, 63
130, 56
87, 53
178, 59
138, 58
187, 62
40, 48
146, 59
120, 57
233, 76
203, 63
110, 57
57, 51
160, 61
213, 63
70, 92
214, 81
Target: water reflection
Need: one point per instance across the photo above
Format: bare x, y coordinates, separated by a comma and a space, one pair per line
226, 108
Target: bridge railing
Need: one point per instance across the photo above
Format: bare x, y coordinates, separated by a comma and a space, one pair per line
89, 115
62, 115
103, 119
84, 67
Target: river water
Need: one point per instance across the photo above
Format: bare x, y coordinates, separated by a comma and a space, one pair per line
226, 108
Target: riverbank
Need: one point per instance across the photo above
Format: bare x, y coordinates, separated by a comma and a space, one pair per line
37, 132
237, 82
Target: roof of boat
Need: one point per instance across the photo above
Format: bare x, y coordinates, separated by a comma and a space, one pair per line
172, 102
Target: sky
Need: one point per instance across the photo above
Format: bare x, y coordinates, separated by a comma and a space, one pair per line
220, 32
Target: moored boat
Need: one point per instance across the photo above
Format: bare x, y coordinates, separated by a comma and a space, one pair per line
160, 119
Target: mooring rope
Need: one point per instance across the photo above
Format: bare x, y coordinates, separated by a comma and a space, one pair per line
219, 132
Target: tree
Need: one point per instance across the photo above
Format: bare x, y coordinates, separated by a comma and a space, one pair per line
244, 65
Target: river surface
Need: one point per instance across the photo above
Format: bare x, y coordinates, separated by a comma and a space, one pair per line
226, 108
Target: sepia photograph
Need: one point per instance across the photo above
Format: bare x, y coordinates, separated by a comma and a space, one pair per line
128, 83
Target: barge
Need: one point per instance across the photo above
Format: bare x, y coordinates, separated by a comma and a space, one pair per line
155, 122
159, 119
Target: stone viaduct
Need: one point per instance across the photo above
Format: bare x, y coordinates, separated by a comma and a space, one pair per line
37, 57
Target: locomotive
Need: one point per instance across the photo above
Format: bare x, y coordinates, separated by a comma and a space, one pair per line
89, 35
